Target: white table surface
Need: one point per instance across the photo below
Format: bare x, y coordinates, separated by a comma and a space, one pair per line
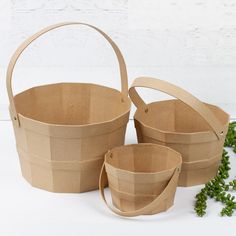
27, 211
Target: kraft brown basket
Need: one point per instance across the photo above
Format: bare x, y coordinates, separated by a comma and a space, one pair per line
63, 130
197, 130
142, 178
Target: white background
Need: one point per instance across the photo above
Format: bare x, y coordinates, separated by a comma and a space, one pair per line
191, 43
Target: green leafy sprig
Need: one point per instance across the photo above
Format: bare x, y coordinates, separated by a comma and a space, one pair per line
230, 140
217, 188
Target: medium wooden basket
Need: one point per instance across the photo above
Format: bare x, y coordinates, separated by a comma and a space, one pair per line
142, 178
63, 130
196, 130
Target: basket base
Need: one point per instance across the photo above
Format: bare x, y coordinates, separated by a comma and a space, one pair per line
126, 202
60, 181
188, 178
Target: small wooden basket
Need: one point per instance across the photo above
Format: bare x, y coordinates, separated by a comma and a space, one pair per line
196, 130
142, 178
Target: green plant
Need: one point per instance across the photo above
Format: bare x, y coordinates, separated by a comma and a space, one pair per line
230, 140
217, 188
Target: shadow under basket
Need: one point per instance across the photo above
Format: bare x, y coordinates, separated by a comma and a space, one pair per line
63, 130
142, 178
196, 130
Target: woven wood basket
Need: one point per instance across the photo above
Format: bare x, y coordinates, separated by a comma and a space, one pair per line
142, 178
63, 130
196, 130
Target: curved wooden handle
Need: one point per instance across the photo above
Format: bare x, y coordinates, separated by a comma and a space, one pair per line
146, 209
179, 93
27, 42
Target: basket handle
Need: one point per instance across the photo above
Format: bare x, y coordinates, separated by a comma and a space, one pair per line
179, 93
146, 209
27, 42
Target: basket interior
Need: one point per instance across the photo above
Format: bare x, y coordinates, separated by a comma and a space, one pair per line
144, 158
71, 103
175, 116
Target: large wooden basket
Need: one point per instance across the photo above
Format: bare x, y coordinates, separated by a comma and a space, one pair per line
142, 178
197, 130
63, 130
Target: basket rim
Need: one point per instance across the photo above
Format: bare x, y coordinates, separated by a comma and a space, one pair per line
77, 125
178, 155
145, 173
207, 132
